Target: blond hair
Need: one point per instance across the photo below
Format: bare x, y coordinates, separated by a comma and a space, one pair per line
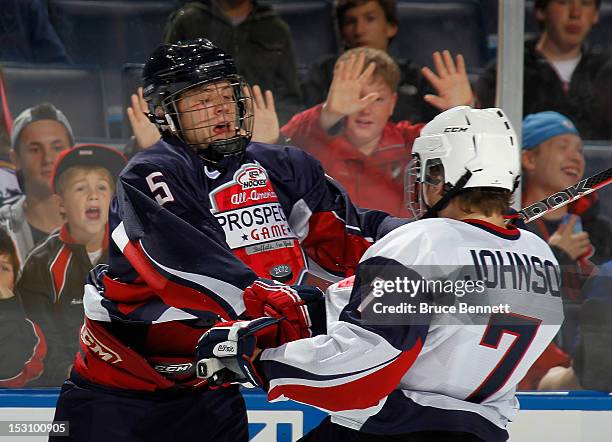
65, 178
386, 68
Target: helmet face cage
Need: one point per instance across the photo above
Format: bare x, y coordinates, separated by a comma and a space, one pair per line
214, 116
412, 188
416, 178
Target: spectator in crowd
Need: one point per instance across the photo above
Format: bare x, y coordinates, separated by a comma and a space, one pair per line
39, 134
553, 160
26, 34
559, 67
374, 23
51, 283
580, 238
254, 34
351, 133
9, 187
22, 343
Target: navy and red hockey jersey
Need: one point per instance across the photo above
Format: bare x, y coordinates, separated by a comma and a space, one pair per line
187, 239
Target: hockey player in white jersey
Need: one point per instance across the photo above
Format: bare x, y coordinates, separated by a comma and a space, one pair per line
444, 316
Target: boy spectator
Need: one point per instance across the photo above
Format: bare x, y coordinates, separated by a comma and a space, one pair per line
579, 237
374, 24
22, 343
553, 160
559, 67
254, 34
39, 134
369, 153
51, 284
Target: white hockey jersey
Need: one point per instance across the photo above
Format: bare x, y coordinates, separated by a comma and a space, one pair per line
402, 356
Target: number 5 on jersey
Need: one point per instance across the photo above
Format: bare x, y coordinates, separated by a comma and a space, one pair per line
159, 189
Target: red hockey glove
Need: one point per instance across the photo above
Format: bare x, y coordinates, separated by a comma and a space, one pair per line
301, 306
226, 353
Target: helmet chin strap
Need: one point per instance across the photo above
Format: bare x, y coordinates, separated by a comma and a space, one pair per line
217, 150
432, 212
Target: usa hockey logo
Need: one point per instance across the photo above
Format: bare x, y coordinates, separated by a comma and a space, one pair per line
252, 176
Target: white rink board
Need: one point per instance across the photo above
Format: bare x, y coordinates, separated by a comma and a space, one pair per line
562, 426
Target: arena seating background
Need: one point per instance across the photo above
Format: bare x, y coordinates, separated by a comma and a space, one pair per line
101, 36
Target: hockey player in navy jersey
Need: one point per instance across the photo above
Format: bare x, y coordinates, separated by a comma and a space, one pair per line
201, 224
400, 365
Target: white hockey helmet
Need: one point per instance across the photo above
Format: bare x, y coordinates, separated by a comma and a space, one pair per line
469, 148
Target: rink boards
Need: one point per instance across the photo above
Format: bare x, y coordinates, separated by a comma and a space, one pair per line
560, 417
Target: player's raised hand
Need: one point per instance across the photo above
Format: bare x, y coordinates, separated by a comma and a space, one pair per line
144, 130
450, 81
345, 93
265, 128
573, 244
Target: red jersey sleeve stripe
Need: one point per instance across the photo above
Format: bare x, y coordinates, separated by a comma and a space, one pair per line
361, 393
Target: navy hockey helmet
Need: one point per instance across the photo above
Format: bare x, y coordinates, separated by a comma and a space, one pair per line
195, 94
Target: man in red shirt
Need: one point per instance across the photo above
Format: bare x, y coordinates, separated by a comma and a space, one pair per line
351, 133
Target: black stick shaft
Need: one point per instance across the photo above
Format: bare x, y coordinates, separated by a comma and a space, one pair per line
566, 196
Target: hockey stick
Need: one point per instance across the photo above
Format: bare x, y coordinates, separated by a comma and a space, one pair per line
566, 196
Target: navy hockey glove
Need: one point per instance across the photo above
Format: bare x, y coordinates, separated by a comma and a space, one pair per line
226, 352
302, 306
